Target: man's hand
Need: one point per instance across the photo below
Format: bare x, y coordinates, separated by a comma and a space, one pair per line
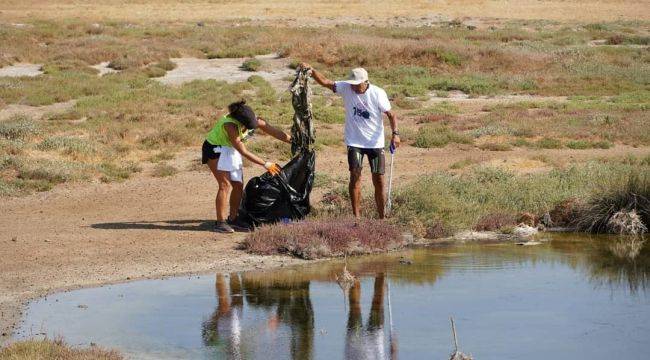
395, 141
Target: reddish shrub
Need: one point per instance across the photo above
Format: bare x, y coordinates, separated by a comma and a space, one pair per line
324, 238
437, 230
565, 213
528, 219
495, 221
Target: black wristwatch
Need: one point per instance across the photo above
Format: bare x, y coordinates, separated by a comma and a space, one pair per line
395, 132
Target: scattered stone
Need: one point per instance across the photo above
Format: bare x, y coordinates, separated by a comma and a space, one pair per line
103, 68
405, 262
82, 306
523, 230
14, 239
528, 243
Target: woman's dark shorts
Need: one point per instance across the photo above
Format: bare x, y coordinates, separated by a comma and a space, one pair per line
207, 152
376, 159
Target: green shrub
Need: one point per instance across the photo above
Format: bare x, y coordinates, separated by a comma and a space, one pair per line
251, 65
435, 135
70, 145
164, 170
18, 128
166, 65
112, 172
549, 143
155, 71
585, 144
495, 147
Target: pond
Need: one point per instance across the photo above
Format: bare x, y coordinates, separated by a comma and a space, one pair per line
567, 298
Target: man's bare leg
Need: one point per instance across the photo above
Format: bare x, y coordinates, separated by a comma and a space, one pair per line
355, 192
380, 194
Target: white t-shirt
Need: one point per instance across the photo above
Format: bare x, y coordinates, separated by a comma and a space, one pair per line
364, 127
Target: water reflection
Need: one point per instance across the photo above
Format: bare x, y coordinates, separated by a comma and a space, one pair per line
285, 294
568, 298
366, 342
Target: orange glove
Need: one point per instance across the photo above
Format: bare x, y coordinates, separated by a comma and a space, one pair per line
273, 168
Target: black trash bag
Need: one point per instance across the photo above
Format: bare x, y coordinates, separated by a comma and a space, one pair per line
285, 197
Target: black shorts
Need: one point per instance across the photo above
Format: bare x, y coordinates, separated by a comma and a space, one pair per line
207, 152
376, 159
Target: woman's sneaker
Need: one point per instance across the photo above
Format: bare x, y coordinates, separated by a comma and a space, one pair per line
223, 227
238, 226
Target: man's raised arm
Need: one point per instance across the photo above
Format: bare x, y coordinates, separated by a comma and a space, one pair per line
320, 78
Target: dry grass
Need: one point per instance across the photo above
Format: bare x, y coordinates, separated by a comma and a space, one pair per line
131, 116
57, 349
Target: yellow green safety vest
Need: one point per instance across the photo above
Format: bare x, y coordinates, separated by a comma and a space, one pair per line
218, 135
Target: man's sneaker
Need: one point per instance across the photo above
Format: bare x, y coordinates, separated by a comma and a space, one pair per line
238, 226
223, 227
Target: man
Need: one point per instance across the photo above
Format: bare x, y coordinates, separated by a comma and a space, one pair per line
364, 131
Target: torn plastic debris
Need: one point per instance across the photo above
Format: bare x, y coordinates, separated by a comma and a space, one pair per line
285, 197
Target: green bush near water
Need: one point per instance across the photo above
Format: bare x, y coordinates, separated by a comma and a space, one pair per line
460, 200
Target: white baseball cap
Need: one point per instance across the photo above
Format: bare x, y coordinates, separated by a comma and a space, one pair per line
357, 76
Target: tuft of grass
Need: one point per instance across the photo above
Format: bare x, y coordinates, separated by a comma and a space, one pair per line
495, 147
69, 145
629, 198
585, 144
436, 135
18, 128
548, 143
155, 71
251, 65
55, 349
164, 170
112, 172
462, 164
327, 238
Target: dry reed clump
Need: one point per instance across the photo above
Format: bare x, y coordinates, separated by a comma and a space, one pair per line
325, 238
624, 208
565, 213
55, 349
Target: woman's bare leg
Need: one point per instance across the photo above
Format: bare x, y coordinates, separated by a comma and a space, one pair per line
235, 198
225, 187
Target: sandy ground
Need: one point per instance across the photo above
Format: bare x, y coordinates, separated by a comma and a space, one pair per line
295, 13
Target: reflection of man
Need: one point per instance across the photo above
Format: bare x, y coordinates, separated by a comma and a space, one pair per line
368, 343
224, 328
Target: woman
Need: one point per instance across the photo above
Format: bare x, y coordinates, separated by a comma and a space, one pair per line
223, 150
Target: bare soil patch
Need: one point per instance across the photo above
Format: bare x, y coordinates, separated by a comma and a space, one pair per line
274, 70
103, 68
21, 69
35, 112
